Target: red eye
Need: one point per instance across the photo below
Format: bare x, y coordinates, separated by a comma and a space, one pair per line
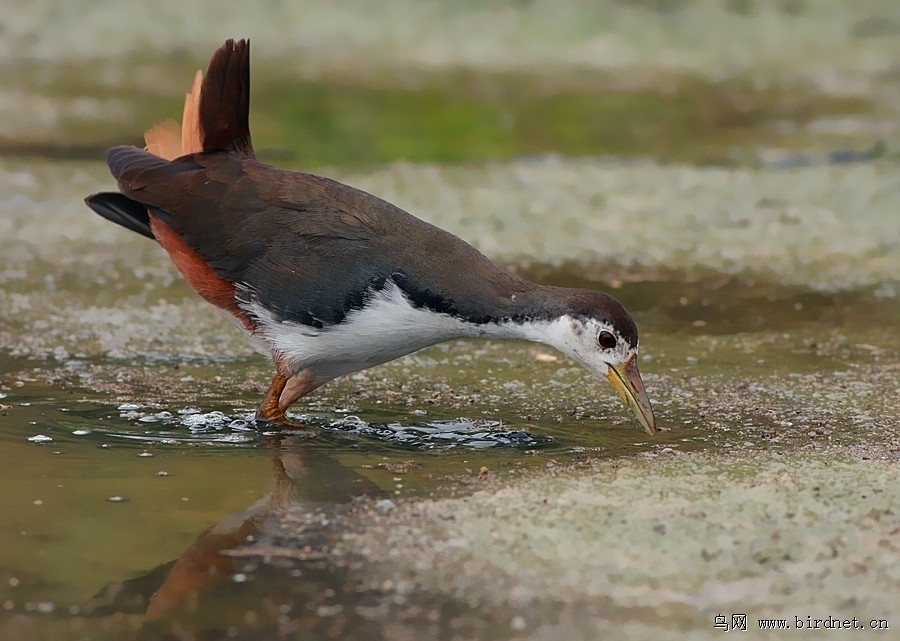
606, 340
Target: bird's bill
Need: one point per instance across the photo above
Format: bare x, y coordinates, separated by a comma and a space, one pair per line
627, 380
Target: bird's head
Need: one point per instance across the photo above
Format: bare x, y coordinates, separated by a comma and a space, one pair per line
596, 330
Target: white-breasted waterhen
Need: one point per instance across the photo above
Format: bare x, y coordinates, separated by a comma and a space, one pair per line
326, 278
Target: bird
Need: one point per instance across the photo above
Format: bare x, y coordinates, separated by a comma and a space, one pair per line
327, 279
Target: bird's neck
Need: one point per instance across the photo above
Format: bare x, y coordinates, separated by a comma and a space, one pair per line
528, 311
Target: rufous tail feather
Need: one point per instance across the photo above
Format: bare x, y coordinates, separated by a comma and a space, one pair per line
167, 139
191, 140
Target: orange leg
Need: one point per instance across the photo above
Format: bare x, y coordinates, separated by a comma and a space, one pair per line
282, 393
268, 409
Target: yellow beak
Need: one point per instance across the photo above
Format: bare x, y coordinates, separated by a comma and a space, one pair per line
627, 380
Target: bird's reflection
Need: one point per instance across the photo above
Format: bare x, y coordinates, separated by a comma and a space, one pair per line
172, 596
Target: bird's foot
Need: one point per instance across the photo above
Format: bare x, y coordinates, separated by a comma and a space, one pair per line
278, 421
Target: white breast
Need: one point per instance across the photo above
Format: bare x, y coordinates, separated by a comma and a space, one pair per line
387, 328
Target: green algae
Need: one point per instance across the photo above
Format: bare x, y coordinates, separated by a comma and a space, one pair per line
448, 116
468, 117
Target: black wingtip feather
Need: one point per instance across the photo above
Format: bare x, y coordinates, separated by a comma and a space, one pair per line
121, 210
225, 99
124, 156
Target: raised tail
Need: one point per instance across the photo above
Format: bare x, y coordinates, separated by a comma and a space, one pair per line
225, 100
216, 110
216, 117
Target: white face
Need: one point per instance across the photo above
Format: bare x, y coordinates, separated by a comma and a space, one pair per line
594, 344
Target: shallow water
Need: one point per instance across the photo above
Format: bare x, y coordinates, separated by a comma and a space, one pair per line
105, 495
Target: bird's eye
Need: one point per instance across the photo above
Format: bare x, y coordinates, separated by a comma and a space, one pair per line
606, 340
